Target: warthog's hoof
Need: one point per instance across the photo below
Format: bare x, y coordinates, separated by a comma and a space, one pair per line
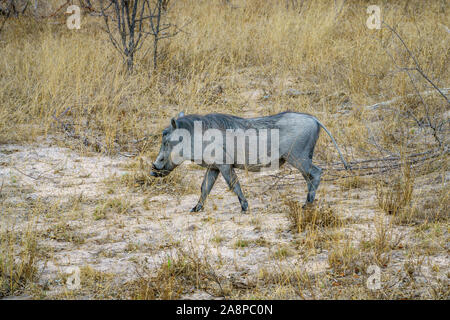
244, 207
197, 208
308, 205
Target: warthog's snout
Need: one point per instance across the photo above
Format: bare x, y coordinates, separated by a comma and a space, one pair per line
158, 172
153, 173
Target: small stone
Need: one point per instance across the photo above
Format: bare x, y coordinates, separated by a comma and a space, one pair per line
192, 227
31, 197
295, 93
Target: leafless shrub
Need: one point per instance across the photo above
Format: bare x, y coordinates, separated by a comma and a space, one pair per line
134, 21
9, 8
13, 7
159, 28
435, 122
128, 17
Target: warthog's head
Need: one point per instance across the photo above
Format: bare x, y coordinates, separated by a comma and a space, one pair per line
163, 164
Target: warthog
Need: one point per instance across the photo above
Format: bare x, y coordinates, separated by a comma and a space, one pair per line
292, 139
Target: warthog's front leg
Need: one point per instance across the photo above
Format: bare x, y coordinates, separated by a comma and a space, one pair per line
233, 182
208, 183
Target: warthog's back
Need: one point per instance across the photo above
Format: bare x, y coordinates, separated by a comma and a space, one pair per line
220, 121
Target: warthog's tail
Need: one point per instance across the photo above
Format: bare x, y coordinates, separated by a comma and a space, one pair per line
346, 166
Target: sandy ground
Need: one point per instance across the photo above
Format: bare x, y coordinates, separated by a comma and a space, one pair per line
152, 225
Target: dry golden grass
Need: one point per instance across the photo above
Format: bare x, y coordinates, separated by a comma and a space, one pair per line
433, 209
139, 179
181, 273
345, 259
46, 68
18, 259
396, 194
239, 61
353, 182
316, 216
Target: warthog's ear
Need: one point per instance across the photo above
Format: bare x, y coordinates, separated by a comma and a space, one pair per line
174, 123
181, 114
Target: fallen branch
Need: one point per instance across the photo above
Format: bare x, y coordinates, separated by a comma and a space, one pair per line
56, 11
41, 175
390, 158
360, 169
389, 102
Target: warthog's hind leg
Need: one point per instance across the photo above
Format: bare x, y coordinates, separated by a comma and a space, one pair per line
311, 173
233, 183
207, 184
313, 179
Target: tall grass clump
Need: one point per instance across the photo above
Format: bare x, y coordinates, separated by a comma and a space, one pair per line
18, 260
313, 218
396, 193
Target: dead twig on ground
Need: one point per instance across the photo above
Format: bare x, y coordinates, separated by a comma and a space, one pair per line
39, 176
362, 168
389, 102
